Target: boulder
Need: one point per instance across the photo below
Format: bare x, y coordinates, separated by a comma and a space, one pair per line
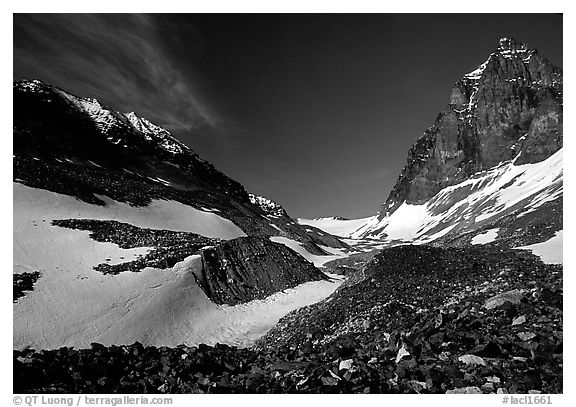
512, 296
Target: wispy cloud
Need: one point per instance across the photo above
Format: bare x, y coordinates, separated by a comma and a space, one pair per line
118, 59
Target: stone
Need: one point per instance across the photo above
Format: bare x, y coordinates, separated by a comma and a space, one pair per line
472, 360
519, 321
346, 364
489, 387
512, 296
402, 352
526, 336
465, 390
329, 381
519, 359
487, 350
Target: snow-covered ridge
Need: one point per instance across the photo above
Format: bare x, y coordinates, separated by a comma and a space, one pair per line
154, 132
270, 207
508, 48
485, 197
335, 225
341, 218
30, 86
107, 119
477, 73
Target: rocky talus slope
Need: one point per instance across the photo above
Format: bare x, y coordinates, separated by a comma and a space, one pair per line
417, 319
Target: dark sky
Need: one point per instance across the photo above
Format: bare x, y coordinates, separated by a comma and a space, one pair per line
314, 111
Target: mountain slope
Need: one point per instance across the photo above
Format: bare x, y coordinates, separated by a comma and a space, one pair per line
113, 220
78, 147
484, 201
494, 152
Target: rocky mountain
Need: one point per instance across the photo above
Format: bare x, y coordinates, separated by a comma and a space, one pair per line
494, 152
76, 146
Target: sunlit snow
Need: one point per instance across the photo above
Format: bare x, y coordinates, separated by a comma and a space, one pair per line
486, 196
486, 237
73, 305
334, 226
549, 251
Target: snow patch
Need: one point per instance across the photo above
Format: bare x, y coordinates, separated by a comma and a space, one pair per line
486, 237
550, 251
73, 305
38, 204
154, 307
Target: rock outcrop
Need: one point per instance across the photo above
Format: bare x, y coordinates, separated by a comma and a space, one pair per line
249, 268
508, 108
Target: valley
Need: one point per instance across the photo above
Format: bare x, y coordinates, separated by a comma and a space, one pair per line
141, 268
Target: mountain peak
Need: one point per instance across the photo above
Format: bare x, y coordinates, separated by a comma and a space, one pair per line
509, 47
511, 44
509, 107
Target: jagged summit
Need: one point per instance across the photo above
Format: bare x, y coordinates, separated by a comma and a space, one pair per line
510, 105
507, 48
511, 44
110, 121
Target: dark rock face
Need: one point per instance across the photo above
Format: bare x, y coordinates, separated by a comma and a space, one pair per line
249, 268
510, 105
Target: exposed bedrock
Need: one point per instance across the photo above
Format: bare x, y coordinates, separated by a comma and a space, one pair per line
250, 268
